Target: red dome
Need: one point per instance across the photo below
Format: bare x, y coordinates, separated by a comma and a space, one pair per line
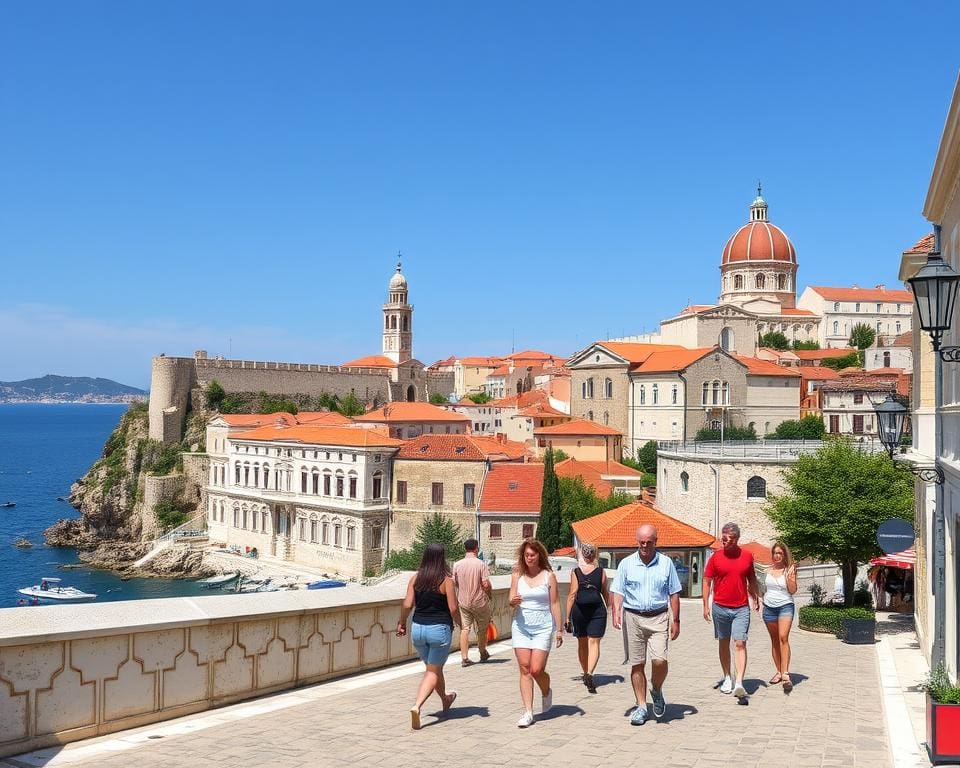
759, 241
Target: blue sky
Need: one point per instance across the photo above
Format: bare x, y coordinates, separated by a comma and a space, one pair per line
239, 176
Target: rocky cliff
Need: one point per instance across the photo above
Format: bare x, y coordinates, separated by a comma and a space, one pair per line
118, 518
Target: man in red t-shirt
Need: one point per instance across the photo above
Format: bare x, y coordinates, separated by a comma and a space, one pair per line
730, 574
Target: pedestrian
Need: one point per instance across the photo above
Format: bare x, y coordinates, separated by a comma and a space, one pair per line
431, 596
471, 576
730, 575
646, 608
534, 594
779, 609
587, 603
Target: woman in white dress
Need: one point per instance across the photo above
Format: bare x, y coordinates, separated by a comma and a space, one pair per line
779, 609
534, 595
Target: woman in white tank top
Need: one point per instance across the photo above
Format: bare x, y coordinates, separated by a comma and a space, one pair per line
779, 609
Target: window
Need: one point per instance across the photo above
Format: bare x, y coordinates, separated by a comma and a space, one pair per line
858, 398
879, 309
353, 486
588, 389
236, 478
608, 388
256, 520
528, 530
643, 394
336, 534
468, 494
303, 529
856, 307
716, 393
436, 493
377, 458
316, 483
325, 532
313, 532
376, 537
726, 393
836, 306
756, 488
858, 424
706, 392
401, 492
589, 415
263, 521
495, 531
244, 517
886, 358
654, 393
377, 485
351, 537
836, 327
684, 482
236, 517
898, 327
878, 326
834, 424
898, 307
781, 282
761, 281
673, 395
326, 484
303, 482
606, 418
738, 282
340, 486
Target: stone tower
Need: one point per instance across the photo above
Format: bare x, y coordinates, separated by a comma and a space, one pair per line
398, 320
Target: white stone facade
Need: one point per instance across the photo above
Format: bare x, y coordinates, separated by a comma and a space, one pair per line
888, 312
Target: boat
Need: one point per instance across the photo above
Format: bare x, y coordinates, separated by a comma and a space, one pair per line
51, 589
22, 543
8, 504
221, 581
326, 584
257, 585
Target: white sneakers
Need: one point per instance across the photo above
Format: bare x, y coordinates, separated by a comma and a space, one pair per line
526, 720
727, 685
546, 702
739, 691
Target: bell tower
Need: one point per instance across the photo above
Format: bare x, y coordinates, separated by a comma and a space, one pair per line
398, 320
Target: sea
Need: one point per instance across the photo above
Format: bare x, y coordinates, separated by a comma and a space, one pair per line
44, 448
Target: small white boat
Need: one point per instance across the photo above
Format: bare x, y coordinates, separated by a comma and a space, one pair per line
51, 589
219, 582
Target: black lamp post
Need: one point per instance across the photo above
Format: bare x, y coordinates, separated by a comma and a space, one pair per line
935, 294
891, 416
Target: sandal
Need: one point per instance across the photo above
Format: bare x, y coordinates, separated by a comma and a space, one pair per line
777, 678
415, 718
451, 697
787, 684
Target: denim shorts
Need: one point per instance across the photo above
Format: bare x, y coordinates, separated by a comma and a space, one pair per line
432, 642
771, 614
731, 622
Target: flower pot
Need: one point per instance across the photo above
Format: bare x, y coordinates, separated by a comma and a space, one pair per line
943, 732
859, 631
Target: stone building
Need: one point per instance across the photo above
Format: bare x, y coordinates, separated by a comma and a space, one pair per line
887, 311
315, 495
394, 375
581, 439
407, 420
443, 473
848, 403
509, 509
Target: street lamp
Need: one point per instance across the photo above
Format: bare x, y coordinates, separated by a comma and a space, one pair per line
891, 416
935, 294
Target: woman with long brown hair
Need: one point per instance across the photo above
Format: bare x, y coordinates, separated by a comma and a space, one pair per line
535, 596
779, 609
433, 600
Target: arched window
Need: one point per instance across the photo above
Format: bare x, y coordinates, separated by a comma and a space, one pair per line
606, 418
236, 478
264, 513
246, 474
315, 481
608, 388
706, 392
256, 519
738, 282
756, 488
302, 529
256, 475
836, 306
303, 481
266, 476
716, 393
643, 394
886, 359
588, 389
236, 517
781, 282
761, 280
726, 339
726, 393
406, 323
684, 482
327, 478
377, 484
655, 394
589, 415
836, 327
243, 517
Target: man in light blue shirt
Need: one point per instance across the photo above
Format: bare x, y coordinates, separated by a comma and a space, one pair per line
646, 607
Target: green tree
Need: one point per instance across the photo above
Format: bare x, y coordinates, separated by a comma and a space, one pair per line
578, 501
806, 345
275, 404
551, 522
708, 434
438, 399
647, 456
559, 455
862, 336
834, 503
839, 363
350, 406
775, 340
434, 529
807, 428
215, 395
479, 398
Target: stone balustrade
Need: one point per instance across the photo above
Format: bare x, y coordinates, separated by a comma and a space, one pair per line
75, 671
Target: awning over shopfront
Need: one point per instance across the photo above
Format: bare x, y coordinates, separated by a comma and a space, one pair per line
906, 559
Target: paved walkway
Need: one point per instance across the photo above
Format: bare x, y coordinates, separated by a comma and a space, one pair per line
833, 717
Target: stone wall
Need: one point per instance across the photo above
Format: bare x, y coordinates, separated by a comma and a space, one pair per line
71, 672
156, 490
171, 379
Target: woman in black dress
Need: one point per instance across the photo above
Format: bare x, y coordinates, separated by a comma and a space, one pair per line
587, 608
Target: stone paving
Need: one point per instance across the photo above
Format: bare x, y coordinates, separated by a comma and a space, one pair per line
833, 717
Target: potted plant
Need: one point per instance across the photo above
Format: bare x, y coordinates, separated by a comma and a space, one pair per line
943, 717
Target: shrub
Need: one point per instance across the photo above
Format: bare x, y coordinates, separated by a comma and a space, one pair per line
826, 618
647, 456
169, 515
648, 480
480, 398
436, 398
816, 594
730, 433
861, 595
215, 394
940, 688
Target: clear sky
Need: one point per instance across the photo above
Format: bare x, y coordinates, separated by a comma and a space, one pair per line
239, 176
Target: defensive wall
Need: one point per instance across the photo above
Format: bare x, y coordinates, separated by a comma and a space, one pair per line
75, 671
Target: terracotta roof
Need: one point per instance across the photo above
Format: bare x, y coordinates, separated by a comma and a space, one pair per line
817, 373
820, 354
617, 529
758, 367
530, 354
257, 419
636, 353
759, 241
797, 311
503, 370
924, 245
692, 309
541, 409
885, 372
903, 340
512, 488
862, 294
371, 361
565, 552
859, 383
577, 427
326, 418
443, 363
524, 400
671, 360
314, 435
593, 472
481, 361
402, 411
460, 448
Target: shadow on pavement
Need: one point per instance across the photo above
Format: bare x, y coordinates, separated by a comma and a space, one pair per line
461, 713
561, 710
601, 680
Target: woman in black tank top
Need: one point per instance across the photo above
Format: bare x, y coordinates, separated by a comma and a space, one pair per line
587, 604
432, 598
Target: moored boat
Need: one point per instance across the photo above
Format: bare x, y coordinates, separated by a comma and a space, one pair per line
8, 504
220, 582
51, 589
326, 584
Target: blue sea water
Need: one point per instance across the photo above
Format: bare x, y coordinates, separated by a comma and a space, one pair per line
44, 448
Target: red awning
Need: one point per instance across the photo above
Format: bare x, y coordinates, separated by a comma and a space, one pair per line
906, 559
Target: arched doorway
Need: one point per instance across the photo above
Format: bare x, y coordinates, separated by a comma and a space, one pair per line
411, 394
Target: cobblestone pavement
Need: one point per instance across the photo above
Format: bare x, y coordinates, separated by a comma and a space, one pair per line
833, 717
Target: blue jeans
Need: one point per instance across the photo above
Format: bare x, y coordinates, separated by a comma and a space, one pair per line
432, 642
771, 614
731, 622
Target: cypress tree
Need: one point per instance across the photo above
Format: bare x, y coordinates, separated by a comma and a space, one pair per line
548, 531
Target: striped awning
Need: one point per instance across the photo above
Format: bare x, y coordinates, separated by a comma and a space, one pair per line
906, 559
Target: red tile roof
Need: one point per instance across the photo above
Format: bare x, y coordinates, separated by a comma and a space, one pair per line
503, 370
799, 312
541, 409
523, 400
402, 411
481, 361
593, 472
636, 353
820, 354
617, 529
862, 294
671, 360
314, 435
371, 361
512, 488
316, 418
758, 367
817, 373
903, 340
577, 427
924, 245
693, 309
885, 372
460, 448
327, 418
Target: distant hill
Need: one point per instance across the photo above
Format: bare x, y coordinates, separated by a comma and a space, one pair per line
68, 389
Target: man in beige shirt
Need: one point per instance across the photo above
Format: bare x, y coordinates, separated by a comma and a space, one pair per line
472, 579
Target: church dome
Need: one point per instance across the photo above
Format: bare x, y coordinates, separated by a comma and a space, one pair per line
759, 240
398, 282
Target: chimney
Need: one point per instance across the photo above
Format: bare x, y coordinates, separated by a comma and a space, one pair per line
881, 287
